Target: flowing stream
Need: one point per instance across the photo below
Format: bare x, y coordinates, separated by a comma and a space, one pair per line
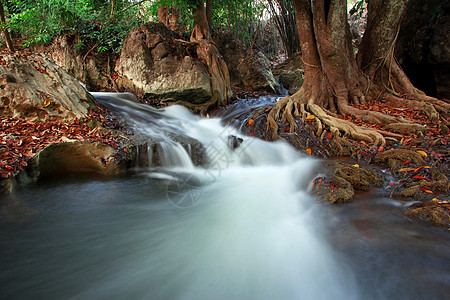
241, 226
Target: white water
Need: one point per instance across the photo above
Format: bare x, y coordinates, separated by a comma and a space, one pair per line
252, 231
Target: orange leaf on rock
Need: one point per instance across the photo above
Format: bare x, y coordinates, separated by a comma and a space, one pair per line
308, 151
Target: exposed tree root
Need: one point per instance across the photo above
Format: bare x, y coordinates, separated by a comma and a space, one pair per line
293, 108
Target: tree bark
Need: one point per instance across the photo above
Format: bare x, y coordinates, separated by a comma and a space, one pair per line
9, 43
169, 16
208, 52
209, 12
334, 81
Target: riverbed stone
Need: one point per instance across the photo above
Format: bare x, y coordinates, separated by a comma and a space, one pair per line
431, 212
360, 178
338, 191
395, 157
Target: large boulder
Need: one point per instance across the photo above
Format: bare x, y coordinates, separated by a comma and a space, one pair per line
35, 88
155, 63
249, 70
423, 46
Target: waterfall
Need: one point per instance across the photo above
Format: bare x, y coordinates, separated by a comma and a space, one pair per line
255, 233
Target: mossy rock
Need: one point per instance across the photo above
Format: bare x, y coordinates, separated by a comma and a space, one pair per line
360, 178
431, 213
395, 157
339, 191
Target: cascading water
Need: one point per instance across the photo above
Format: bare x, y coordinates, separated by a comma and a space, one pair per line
240, 226
253, 233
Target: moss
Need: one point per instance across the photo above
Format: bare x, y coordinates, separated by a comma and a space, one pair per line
435, 215
359, 178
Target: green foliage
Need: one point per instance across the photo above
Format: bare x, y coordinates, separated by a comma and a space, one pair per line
100, 24
239, 17
358, 8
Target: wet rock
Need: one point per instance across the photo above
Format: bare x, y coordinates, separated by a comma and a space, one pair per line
292, 80
193, 147
290, 73
78, 158
360, 178
395, 157
338, 191
34, 88
249, 70
405, 128
156, 64
431, 212
234, 141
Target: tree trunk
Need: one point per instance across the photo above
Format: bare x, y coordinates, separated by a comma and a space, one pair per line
207, 51
209, 11
169, 16
9, 43
333, 79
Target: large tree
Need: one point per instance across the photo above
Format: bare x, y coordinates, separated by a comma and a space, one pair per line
335, 79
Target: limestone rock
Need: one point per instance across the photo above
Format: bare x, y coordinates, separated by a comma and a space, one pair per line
35, 88
249, 71
156, 64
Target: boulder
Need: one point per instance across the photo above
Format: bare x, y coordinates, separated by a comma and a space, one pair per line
249, 70
35, 88
156, 64
78, 158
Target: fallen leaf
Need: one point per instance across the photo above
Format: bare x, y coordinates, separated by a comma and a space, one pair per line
310, 117
406, 162
250, 122
380, 149
422, 153
207, 116
406, 169
355, 165
46, 102
9, 168
308, 151
419, 177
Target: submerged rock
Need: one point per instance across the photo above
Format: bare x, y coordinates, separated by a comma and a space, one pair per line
431, 212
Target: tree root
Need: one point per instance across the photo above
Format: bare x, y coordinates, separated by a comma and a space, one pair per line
293, 107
